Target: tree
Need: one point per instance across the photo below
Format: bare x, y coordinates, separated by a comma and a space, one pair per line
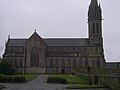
89, 69
7, 68
1, 47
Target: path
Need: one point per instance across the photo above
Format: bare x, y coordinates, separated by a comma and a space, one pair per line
38, 84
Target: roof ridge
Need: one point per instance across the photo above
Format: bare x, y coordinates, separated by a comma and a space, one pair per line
65, 38
18, 38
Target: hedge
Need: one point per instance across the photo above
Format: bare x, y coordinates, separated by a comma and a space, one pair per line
12, 79
56, 80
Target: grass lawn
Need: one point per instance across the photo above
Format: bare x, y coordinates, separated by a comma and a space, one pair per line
72, 78
84, 86
28, 77
81, 80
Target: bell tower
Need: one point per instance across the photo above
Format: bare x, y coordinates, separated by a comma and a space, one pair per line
95, 24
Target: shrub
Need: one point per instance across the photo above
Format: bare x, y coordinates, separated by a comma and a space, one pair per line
1, 79
12, 79
56, 80
20, 79
6, 79
7, 68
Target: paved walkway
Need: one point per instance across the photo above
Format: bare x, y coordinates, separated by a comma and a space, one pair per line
38, 84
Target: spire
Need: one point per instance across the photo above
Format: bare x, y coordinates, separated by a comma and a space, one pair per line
99, 6
94, 3
94, 12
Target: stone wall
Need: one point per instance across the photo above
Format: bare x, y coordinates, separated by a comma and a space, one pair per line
107, 76
35, 70
60, 70
106, 72
100, 71
112, 82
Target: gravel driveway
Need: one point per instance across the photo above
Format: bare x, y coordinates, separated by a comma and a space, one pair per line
38, 84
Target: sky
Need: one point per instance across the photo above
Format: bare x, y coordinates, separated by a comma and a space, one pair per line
59, 18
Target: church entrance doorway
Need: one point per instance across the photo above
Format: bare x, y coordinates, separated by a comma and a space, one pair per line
63, 71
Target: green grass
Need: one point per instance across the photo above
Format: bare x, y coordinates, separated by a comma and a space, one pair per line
81, 80
72, 78
84, 86
28, 77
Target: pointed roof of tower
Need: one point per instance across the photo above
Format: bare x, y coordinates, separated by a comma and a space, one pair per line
99, 6
94, 3
94, 12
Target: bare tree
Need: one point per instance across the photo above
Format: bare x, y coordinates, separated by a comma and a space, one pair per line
1, 48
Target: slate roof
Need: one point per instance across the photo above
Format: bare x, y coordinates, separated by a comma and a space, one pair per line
113, 64
53, 42
16, 42
66, 42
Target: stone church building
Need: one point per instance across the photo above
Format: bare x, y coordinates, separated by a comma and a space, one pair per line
59, 55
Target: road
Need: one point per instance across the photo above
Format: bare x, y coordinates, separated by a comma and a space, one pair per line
38, 83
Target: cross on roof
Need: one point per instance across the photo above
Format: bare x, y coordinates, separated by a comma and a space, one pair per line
35, 30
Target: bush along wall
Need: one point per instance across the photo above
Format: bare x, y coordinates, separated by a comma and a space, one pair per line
109, 77
56, 80
7, 68
12, 79
112, 82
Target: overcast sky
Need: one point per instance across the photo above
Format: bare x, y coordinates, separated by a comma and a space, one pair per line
59, 18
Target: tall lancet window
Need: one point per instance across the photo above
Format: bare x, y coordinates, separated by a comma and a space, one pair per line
97, 25
34, 57
93, 28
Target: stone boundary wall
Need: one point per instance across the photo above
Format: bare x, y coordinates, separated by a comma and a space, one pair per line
100, 71
31, 70
106, 71
107, 76
112, 82
60, 70
35, 70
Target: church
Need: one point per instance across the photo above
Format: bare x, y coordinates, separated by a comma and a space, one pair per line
59, 55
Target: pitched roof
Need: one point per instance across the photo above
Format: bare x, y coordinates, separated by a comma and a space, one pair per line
66, 42
16, 42
113, 64
53, 42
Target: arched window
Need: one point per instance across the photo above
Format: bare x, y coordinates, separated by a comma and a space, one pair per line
34, 57
80, 62
56, 63
93, 63
51, 63
93, 28
16, 62
86, 62
98, 62
69, 65
63, 63
21, 62
96, 49
97, 25
74, 63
